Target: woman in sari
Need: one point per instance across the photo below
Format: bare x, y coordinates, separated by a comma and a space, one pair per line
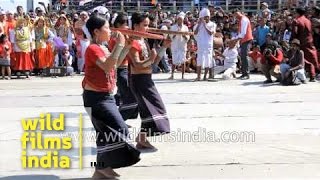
42, 37
21, 39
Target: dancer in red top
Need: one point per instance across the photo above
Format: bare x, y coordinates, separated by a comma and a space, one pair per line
128, 105
151, 108
98, 85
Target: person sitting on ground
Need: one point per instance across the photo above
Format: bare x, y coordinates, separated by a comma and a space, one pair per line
66, 59
292, 70
230, 56
255, 59
271, 59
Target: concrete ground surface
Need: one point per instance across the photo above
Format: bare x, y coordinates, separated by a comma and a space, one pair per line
220, 130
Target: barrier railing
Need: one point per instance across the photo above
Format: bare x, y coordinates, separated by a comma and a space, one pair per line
183, 5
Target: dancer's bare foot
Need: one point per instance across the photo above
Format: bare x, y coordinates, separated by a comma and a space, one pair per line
145, 145
142, 142
107, 173
171, 78
197, 79
98, 175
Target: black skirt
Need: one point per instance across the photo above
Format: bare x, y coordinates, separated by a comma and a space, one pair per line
113, 149
154, 119
128, 104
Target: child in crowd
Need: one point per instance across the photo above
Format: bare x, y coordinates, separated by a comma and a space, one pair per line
230, 58
5, 50
255, 59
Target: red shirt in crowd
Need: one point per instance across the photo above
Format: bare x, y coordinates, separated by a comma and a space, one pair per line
274, 60
255, 55
5, 53
95, 77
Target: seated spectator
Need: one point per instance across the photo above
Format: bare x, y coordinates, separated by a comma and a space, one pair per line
230, 56
292, 70
66, 59
271, 59
255, 59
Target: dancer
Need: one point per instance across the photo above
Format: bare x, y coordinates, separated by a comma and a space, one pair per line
98, 85
128, 106
151, 108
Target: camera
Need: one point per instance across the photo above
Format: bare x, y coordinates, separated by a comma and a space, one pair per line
268, 52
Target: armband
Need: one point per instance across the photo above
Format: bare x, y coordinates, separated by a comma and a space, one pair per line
123, 54
116, 51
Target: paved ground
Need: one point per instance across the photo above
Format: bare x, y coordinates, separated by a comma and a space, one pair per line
260, 131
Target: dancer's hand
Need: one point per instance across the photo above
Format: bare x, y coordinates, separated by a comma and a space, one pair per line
120, 38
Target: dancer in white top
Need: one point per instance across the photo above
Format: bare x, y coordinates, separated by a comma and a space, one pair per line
204, 32
179, 45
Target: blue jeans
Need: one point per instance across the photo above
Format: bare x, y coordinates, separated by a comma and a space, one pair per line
284, 68
244, 50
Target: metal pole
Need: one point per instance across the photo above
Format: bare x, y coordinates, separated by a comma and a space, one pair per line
192, 6
258, 4
122, 8
280, 5
227, 5
138, 3
175, 6
242, 5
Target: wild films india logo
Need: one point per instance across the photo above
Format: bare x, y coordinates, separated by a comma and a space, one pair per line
35, 138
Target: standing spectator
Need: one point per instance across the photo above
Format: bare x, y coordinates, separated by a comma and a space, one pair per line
5, 50
21, 39
265, 12
204, 32
245, 37
179, 45
81, 41
20, 11
262, 32
11, 22
42, 36
302, 31
3, 24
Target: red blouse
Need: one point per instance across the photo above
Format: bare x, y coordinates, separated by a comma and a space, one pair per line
3, 52
136, 46
95, 77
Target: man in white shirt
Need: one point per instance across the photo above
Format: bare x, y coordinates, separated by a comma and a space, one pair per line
204, 32
179, 45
